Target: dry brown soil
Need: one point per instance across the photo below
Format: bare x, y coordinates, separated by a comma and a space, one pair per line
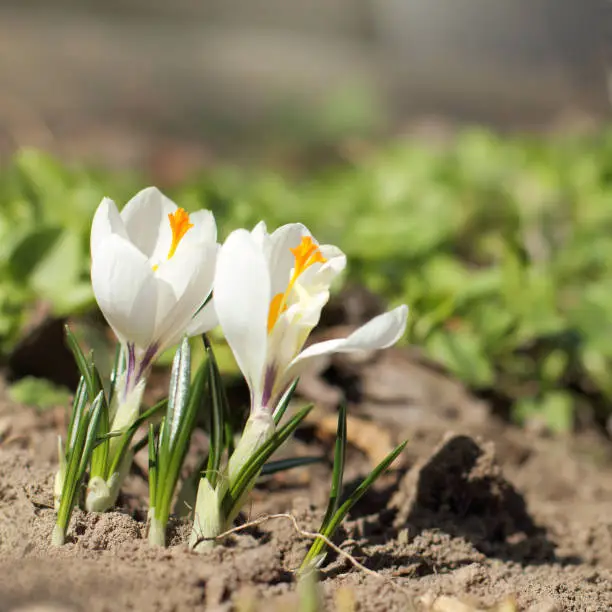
475, 510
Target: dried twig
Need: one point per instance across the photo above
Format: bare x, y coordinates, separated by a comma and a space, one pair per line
314, 536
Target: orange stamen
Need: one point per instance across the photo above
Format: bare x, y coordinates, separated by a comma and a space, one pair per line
275, 311
306, 254
180, 225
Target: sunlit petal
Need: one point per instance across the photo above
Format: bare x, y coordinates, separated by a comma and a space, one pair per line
242, 296
204, 321
190, 273
379, 333
260, 234
280, 257
125, 290
106, 221
146, 220
204, 230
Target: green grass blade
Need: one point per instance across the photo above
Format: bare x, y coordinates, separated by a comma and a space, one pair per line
284, 403
118, 369
95, 412
338, 471
252, 468
126, 437
318, 545
144, 441
71, 480
152, 466
78, 407
183, 390
83, 364
218, 408
84, 436
164, 434
282, 465
175, 459
228, 436
161, 460
95, 376
100, 451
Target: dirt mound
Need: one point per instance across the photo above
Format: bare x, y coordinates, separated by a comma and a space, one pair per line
461, 490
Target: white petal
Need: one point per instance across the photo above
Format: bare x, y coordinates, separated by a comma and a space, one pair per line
335, 264
190, 274
280, 258
125, 290
379, 333
260, 233
204, 321
146, 220
242, 300
321, 276
106, 221
204, 230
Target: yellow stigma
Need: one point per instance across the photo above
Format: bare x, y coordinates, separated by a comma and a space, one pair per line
180, 225
306, 254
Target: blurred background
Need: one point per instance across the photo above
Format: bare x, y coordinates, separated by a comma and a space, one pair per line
466, 141
117, 81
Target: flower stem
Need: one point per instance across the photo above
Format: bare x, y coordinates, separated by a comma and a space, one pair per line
58, 537
208, 522
157, 530
102, 495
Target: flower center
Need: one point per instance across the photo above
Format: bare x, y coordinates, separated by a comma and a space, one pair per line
180, 225
306, 254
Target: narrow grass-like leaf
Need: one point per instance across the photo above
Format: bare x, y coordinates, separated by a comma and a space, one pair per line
228, 435
78, 407
152, 466
338, 470
95, 376
107, 436
252, 468
83, 364
284, 403
182, 391
173, 390
161, 460
218, 409
170, 470
67, 499
144, 441
126, 437
84, 435
282, 465
319, 545
118, 369
99, 458
95, 412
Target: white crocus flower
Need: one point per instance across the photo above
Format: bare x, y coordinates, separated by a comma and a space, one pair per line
269, 293
152, 271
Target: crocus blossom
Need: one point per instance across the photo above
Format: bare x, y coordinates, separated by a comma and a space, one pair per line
269, 293
152, 272
270, 290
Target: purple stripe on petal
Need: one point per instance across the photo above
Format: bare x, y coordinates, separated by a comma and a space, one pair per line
131, 366
268, 387
147, 360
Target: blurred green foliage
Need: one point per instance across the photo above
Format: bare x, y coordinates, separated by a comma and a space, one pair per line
501, 246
